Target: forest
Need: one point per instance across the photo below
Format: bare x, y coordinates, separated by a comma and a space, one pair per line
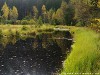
56, 12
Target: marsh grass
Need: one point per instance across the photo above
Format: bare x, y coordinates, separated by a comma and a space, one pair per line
85, 53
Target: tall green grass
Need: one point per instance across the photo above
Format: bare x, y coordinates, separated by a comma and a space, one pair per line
85, 54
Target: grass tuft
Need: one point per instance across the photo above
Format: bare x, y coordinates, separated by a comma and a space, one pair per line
85, 53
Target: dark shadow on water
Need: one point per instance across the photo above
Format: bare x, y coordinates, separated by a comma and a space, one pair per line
25, 58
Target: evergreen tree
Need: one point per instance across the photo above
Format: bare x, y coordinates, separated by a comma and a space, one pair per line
44, 12
64, 6
15, 13
69, 15
54, 18
82, 14
35, 12
60, 16
49, 15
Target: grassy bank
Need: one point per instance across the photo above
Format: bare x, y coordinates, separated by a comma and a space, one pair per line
85, 54
24, 29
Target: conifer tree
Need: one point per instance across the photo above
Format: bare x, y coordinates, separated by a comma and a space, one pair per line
15, 13
35, 12
44, 12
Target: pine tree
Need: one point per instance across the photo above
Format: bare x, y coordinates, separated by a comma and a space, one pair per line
44, 12
60, 16
54, 18
35, 12
15, 13
82, 14
49, 15
64, 6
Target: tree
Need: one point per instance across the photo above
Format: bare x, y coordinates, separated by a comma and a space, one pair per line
60, 16
82, 14
35, 12
69, 15
40, 20
10, 14
64, 6
5, 10
61, 12
54, 18
49, 15
14, 13
44, 12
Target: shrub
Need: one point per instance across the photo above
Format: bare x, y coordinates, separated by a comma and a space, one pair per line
31, 22
18, 22
24, 28
17, 34
24, 22
11, 33
9, 21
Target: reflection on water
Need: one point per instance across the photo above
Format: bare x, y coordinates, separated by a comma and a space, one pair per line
31, 57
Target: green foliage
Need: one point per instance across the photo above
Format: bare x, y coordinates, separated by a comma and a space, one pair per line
70, 12
49, 15
94, 3
24, 22
5, 10
14, 13
31, 22
18, 22
24, 28
9, 21
17, 34
35, 12
44, 12
85, 53
1, 34
82, 14
27, 18
40, 22
11, 35
69, 15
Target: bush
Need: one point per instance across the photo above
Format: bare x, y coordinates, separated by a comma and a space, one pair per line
18, 22
24, 28
28, 22
24, 22
17, 34
9, 21
11, 33
31, 22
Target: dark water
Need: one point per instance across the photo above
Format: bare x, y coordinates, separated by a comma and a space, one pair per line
31, 57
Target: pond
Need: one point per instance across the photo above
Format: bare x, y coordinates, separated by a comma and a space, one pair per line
41, 55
